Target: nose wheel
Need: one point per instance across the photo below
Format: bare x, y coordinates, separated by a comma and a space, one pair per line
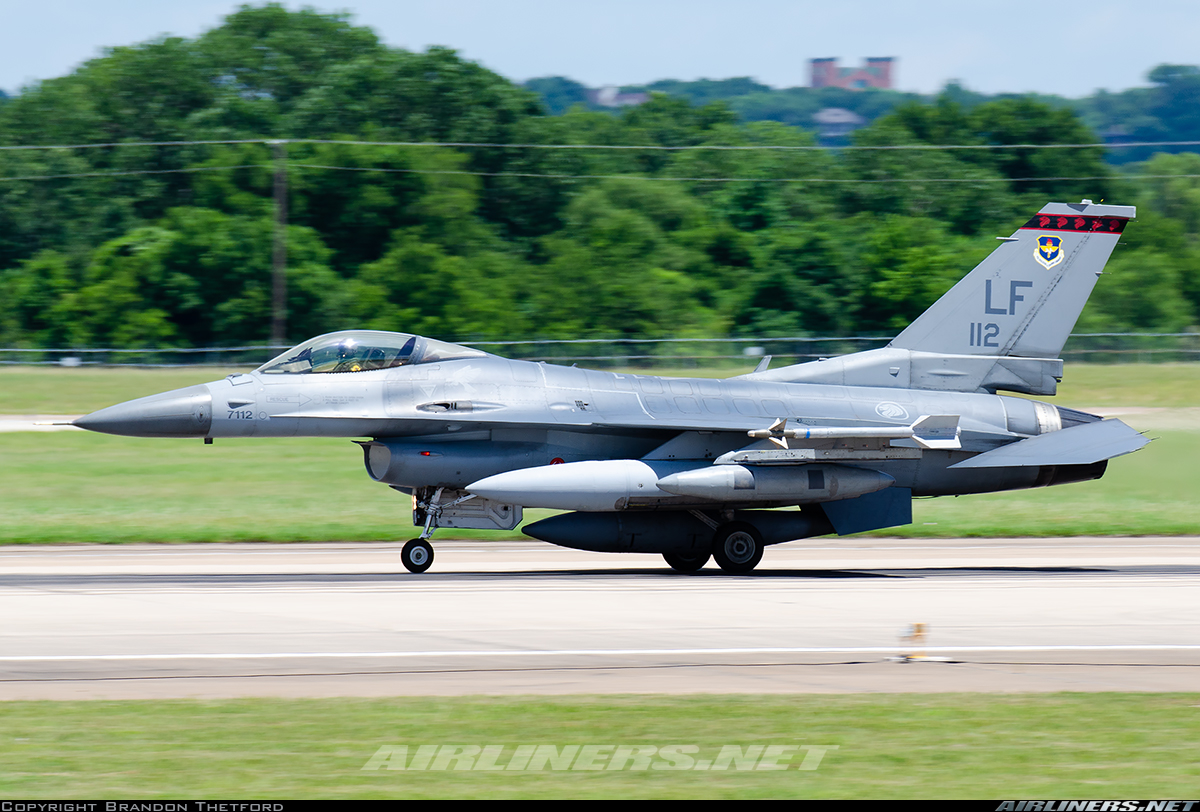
417, 555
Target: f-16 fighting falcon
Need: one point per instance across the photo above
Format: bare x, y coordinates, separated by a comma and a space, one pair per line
690, 468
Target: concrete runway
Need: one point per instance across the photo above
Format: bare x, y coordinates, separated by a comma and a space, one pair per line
818, 616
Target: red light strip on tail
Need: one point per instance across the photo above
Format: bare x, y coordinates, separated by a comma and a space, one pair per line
1077, 223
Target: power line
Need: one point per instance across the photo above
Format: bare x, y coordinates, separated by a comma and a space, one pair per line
118, 173
135, 144
564, 176
744, 147
567, 176
643, 147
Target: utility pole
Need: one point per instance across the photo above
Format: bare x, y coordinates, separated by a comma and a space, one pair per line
279, 255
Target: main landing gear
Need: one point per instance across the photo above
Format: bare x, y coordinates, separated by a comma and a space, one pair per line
736, 546
686, 563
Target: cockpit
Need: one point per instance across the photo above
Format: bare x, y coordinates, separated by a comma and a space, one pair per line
362, 350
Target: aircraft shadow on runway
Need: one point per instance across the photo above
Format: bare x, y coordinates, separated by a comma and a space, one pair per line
251, 579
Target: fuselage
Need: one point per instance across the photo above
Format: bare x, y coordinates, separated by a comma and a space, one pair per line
482, 415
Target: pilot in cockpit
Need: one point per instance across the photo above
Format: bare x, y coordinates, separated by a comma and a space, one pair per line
363, 350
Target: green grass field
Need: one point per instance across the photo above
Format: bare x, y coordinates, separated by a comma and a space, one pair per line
73, 487
67, 487
897, 746
57, 390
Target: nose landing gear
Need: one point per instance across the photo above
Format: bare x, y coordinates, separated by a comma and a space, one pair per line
417, 555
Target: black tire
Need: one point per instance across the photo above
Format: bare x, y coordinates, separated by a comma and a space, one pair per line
417, 555
686, 563
737, 547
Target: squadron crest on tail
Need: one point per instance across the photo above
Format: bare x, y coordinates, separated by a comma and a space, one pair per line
1049, 251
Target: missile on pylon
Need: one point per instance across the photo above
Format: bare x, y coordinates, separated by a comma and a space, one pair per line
938, 431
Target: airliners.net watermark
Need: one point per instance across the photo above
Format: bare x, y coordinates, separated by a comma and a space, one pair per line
527, 757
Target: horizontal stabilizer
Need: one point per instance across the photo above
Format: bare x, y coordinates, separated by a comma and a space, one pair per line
1078, 445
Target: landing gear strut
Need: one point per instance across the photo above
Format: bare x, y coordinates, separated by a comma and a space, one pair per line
737, 547
417, 554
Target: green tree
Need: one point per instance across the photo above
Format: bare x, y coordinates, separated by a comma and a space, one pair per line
418, 287
802, 284
1138, 293
203, 278
922, 183
908, 262
618, 272
269, 52
1172, 189
558, 93
37, 303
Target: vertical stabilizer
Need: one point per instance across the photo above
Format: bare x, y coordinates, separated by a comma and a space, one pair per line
1024, 299
1003, 326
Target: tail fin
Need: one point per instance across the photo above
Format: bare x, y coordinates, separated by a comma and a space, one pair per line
1004, 324
1024, 299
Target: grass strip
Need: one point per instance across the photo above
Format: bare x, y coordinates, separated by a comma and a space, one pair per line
74, 487
892, 746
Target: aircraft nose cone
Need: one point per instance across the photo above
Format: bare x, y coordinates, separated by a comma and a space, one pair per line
180, 413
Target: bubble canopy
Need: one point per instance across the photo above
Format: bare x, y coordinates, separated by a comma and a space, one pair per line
362, 350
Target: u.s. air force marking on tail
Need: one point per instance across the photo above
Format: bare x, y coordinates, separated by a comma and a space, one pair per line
1049, 251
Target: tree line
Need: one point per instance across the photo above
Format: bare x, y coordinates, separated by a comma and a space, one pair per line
1168, 109
516, 242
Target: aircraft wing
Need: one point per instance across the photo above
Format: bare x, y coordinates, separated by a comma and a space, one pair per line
1079, 445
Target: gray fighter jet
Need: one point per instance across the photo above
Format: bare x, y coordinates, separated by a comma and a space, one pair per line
690, 467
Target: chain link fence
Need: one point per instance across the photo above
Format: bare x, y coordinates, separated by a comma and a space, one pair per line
665, 353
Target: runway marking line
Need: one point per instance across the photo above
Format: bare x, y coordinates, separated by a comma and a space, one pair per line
575, 652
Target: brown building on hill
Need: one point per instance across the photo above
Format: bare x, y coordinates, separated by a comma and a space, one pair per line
876, 73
